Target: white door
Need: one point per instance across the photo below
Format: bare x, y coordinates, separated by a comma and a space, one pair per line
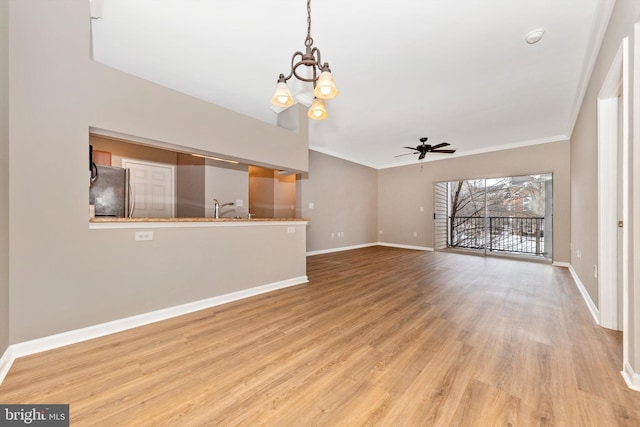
153, 189
620, 184
613, 184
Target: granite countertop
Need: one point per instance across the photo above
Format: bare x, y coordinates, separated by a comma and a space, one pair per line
116, 220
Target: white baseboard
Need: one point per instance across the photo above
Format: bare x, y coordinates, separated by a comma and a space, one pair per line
585, 295
631, 377
343, 248
561, 264
78, 335
367, 245
417, 248
5, 363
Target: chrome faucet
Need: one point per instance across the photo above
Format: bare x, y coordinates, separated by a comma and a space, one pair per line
217, 206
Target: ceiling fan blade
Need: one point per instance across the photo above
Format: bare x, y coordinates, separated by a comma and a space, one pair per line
443, 144
425, 148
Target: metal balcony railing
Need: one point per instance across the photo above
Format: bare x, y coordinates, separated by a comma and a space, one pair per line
498, 234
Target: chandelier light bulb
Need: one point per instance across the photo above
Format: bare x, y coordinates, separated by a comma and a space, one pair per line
282, 97
317, 110
325, 88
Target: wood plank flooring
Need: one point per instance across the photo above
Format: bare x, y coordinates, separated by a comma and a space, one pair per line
379, 336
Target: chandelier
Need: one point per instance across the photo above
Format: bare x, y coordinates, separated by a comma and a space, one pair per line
323, 86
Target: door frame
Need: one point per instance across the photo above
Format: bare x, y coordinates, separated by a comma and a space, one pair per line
615, 85
631, 377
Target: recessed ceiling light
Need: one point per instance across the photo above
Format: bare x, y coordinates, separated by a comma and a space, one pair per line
534, 36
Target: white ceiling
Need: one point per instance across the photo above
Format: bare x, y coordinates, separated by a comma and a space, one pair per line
458, 71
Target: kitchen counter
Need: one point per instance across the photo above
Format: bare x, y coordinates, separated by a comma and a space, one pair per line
112, 222
118, 220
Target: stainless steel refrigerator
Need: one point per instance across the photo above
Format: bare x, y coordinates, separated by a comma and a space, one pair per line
110, 192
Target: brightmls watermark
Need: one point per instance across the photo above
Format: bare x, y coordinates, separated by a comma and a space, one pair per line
34, 415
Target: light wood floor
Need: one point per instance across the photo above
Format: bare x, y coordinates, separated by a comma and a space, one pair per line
379, 336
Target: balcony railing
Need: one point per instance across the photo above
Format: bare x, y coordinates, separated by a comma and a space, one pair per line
498, 234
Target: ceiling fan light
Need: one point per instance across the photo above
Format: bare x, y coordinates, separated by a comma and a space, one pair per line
317, 110
282, 97
325, 87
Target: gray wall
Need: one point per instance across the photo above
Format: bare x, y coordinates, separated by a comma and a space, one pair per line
65, 276
190, 185
584, 178
271, 194
344, 195
404, 190
284, 196
261, 192
4, 175
227, 183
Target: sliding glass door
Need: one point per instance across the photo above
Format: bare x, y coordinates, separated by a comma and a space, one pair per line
495, 215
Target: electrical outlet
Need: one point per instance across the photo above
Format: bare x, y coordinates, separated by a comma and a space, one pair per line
291, 230
311, 206
595, 271
421, 208
333, 235
579, 254
380, 232
239, 203
143, 235
415, 234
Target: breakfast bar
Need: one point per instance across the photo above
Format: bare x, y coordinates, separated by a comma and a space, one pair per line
183, 264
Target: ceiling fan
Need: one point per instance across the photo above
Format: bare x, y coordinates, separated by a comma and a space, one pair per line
424, 148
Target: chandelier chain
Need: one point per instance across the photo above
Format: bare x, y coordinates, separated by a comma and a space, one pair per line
308, 41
